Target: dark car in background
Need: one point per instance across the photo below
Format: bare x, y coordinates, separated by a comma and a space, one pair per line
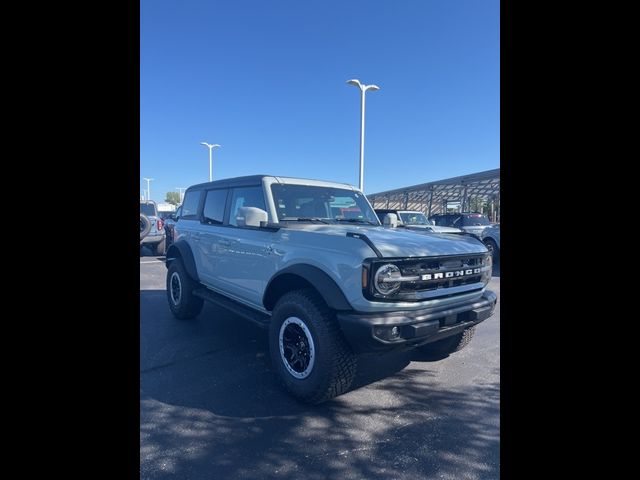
170, 220
470, 222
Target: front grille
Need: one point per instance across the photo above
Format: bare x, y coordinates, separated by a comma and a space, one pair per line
441, 265
437, 276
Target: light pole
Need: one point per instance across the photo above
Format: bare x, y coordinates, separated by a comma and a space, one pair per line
181, 192
148, 187
363, 88
211, 147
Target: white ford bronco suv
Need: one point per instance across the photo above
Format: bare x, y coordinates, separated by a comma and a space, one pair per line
309, 261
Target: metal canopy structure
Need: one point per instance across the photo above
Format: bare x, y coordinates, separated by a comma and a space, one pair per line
481, 189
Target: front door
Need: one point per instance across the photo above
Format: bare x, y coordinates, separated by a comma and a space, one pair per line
246, 261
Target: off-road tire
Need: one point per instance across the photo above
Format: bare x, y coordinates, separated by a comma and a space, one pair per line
188, 305
449, 345
145, 226
334, 366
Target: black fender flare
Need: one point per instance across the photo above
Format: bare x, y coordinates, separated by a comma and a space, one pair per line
321, 281
182, 250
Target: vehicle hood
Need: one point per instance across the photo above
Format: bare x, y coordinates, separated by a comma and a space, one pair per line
397, 242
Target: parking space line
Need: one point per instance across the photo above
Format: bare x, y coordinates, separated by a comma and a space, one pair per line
153, 261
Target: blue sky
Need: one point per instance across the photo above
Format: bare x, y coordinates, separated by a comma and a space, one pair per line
266, 80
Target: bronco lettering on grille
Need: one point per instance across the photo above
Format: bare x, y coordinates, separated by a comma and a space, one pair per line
455, 273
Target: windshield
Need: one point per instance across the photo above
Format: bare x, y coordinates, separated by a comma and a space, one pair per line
148, 209
414, 218
474, 219
324, 204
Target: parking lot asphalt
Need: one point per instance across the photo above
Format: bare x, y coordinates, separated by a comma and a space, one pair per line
211, 407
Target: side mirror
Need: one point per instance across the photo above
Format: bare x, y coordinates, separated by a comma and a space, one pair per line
390, 220
251, 217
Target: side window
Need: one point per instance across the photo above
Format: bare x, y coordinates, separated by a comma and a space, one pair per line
245, 197
214, 203
456, 221
190, 205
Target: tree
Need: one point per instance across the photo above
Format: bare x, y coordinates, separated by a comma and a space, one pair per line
173, 198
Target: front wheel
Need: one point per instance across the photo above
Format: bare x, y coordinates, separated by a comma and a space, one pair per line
307, 348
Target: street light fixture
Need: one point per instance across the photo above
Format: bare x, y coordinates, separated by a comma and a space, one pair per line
363, 88
148, 187
211, 147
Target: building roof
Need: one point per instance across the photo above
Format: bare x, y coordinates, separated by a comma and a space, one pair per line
433, 196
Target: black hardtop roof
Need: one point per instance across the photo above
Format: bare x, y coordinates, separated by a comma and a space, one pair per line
230, 182
246, 181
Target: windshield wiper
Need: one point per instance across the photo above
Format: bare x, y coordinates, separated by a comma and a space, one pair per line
304, 219
355, 220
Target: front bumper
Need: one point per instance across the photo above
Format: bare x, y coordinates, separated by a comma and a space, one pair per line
367, 332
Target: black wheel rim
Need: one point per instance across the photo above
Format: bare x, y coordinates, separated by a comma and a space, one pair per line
175, 286
297, 349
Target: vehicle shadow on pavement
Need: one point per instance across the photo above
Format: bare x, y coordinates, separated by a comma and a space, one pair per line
211, 407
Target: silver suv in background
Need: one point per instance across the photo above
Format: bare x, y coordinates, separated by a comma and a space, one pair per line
414, 220
309, 261
471, 222
155, 238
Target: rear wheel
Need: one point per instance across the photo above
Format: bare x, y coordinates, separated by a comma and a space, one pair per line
180, 286
307, 348
449, 345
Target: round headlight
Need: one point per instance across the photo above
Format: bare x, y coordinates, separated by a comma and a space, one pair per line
383, 279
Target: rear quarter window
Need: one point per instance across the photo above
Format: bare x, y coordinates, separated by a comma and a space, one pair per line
190, 205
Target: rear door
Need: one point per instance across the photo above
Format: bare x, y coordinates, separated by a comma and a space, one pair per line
207, 237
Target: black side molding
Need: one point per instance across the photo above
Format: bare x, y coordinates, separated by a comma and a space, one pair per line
288, 279
259, 318
181, 249
366, 240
